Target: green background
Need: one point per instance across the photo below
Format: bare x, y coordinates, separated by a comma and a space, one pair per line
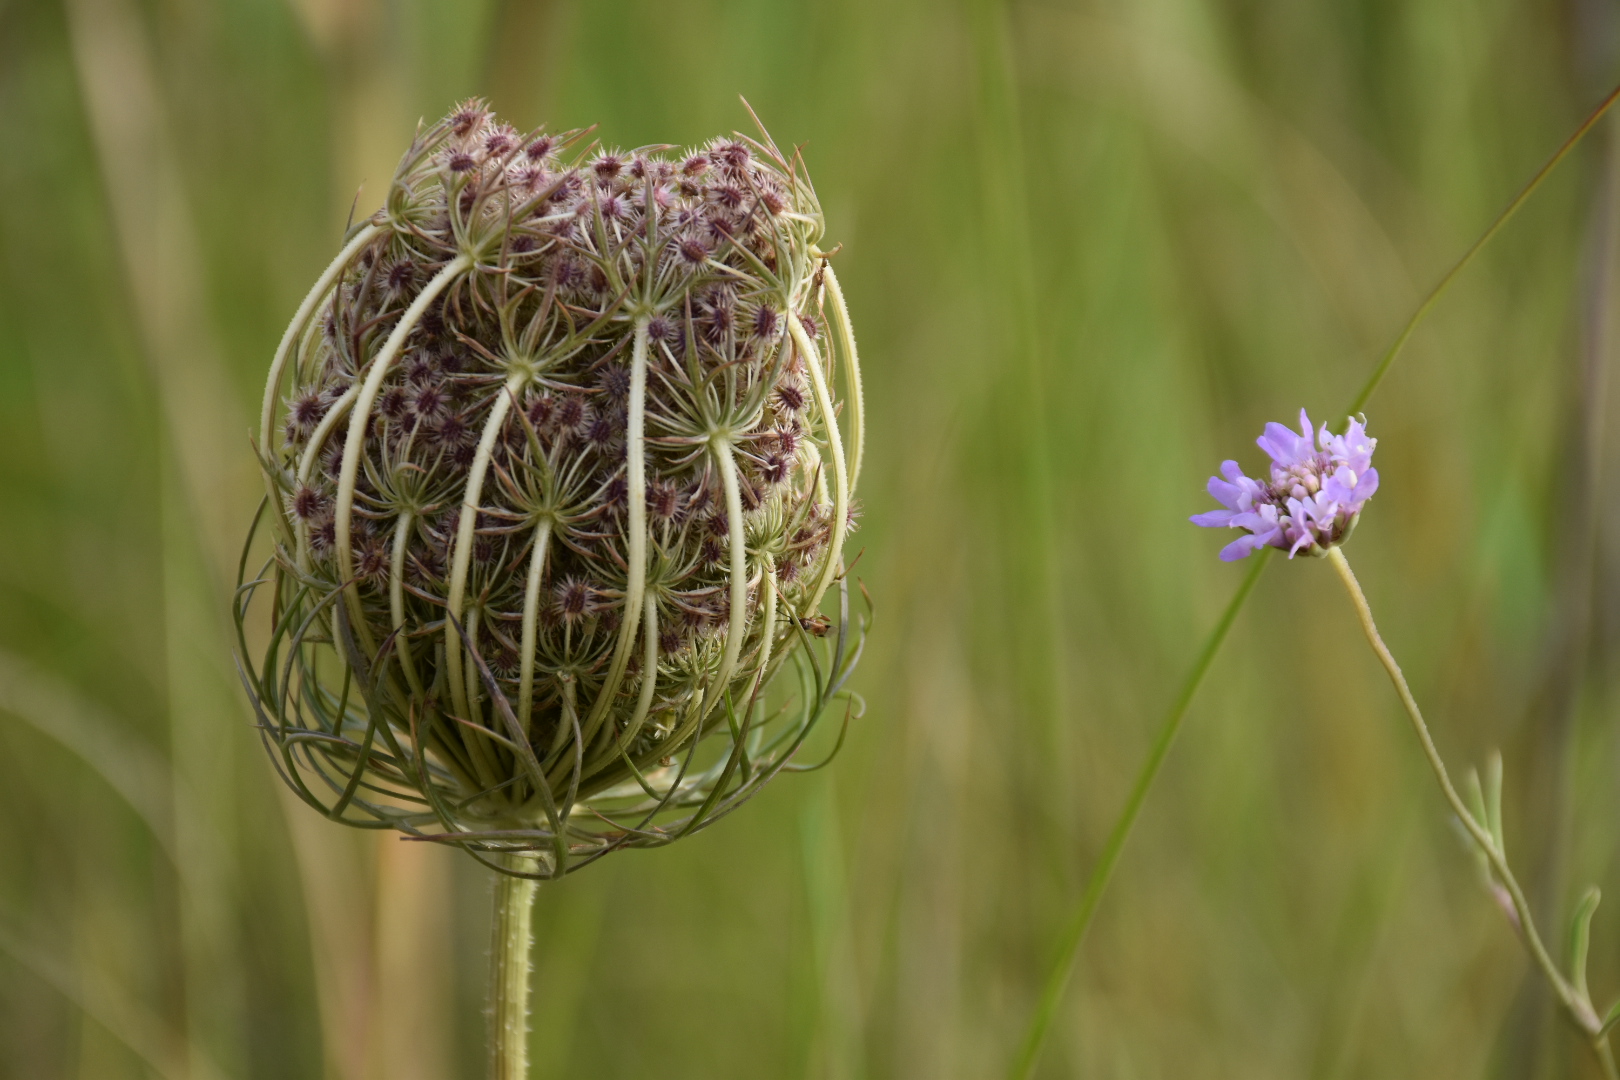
1090, 249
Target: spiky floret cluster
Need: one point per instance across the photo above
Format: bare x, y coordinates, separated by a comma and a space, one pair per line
554, 457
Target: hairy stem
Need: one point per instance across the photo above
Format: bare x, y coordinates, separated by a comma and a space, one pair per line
461, 557
278, 363
845, 332
649, 670
531, 619
635, 476
1573, 1000
396, 601
509, 972
739, 577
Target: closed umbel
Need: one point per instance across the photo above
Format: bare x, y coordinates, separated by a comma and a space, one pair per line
560, 456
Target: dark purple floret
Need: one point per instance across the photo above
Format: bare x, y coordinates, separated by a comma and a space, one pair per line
614, 381
392, 403
541, 410
791, 397
401, 275
429, 401
571, 412
574, 599
693, 251
766, 322
308, 502
663, 500
467, 119
660, 329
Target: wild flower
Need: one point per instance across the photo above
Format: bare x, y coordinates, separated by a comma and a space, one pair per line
1313, 500
1319, 483
537, 530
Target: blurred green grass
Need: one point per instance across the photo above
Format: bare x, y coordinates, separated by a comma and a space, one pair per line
1090, 249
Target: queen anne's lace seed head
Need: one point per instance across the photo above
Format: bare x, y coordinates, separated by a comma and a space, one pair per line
1317, 488
529, 327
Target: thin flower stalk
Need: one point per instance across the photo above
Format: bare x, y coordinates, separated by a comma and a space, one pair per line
1571, 994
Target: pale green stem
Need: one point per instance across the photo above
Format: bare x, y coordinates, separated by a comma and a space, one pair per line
461, 557
278, 363
845, 331
471, 682
840, 508
509, 972
767, 588
360, 420
396, 602
1574, 1002
762, 671
531, 619
739, 574
649, 669
635, 477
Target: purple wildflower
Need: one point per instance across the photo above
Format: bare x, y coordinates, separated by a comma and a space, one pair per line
1313, 500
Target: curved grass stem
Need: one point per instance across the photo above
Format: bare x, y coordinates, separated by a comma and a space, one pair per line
1057, 980
1388, 359
1572, 997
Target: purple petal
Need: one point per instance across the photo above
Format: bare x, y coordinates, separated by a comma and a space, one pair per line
1241, 548
1225, 494
1214, 519
1346, 487
1281, 443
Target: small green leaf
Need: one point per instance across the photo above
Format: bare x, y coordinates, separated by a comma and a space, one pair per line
1476, 800
1493, 800
1580, 936
1610, 1018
